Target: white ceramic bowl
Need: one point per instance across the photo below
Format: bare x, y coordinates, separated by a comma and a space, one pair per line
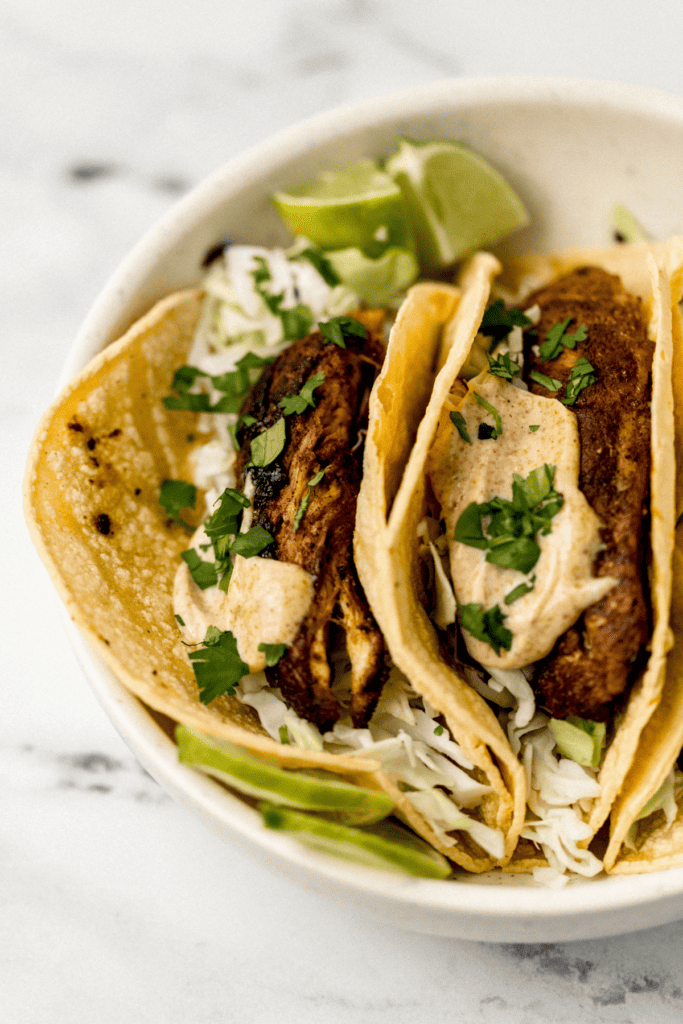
572, 150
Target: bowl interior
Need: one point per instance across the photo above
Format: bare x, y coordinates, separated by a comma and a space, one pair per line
571, 150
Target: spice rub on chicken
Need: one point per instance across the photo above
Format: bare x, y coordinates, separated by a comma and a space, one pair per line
598, 657
306, 498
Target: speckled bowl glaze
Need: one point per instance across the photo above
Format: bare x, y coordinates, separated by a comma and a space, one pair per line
572, 149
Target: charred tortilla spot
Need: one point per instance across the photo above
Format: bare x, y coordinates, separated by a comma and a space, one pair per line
75, 426
103, 524
594, 660
322, 540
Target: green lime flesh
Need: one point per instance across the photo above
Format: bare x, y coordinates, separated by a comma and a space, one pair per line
357, 207
456, 200
386, 846
379, 280
291, 788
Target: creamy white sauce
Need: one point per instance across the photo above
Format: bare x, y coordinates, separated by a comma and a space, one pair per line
265, 603
462, 473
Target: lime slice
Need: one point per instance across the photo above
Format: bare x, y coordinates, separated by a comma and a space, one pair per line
375, 281
627, 227
264, 781
386, 846
456, 200
357, 207
579, 739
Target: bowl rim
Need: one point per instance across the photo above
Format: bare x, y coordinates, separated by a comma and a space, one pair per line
138, 729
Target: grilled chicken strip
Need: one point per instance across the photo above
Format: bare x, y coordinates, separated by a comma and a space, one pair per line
322, 438
599, 656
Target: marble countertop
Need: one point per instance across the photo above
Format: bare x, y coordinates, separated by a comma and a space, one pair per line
115, 905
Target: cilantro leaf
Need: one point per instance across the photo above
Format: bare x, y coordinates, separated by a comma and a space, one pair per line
203, 573
273, 652
556, 339
284, 735
493, 412
438, 731
266, 447
547, 382
225, 520
486, 432
498, 321
582, 376
486, 625
303, 504
469, 529
461, 426
318, 259
176, 495
179, 620
251, 361
252, 542
299, 403
339, 327
520, 591
296, 322
504, 366
218, 667
534, 427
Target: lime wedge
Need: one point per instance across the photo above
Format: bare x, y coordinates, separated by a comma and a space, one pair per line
579, 739
386, 846
456, 200
264, 781
357, 207
375, 281
627, 227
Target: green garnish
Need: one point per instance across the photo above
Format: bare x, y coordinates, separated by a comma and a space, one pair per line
498, 321
486, 432
547, 382
176, 495
284, 735
579, 739
504, 366
179, 620
273, 652
438, 731
493, 412
556, 339
252, 542
460, 425
581, 377
339, 327
509, 538
520, 591
534, 427
303, 505
318, 259
486, 625
203, 573
299, 403
217, 666
266, 447
234, 384
296, 322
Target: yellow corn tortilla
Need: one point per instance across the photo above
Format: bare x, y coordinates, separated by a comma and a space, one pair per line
389, 513
92, 484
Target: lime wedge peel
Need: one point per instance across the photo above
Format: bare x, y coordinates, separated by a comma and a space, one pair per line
457, 201
264, 781
385, 846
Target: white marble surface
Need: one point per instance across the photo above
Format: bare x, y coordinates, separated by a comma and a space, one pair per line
114, 905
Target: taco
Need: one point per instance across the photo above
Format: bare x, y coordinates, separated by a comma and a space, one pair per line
116, 442
484, 519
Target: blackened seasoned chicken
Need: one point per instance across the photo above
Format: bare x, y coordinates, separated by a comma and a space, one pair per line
601, 654
313, 525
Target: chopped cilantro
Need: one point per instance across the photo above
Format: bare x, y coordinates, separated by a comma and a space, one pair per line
318, 259
581, 376
534, 427
486, 432
217, 666
547, 382
461, 426
266, 447
509, 534
273, 652
557, 338
234, 385
247, 421
203, 573
493, 412
340, 327
520, 591
250, 361
176, 495
438, 731
179, 620
225, 521
303, 505
284, 735
299, 403
504, 366
296, 322
486, 625
252, 542
498, 321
